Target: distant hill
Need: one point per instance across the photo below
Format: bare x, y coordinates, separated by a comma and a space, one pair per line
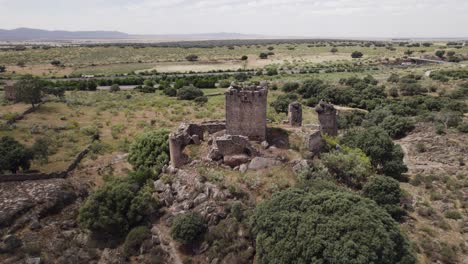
39, 34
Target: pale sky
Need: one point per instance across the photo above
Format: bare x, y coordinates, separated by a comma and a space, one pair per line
311, 18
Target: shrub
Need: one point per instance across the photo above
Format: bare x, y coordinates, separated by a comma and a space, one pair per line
453, 215
356, 55
241, 77
350, 167
244, 58
192, 57
263, 55
379, 147
189, 93
383, 190
397, 126
106, 211
135, 238
114, 88
169, 91
188, 227
150, 150
224, 83
201, 100
297, 226
281, 103
290, 87
14, 155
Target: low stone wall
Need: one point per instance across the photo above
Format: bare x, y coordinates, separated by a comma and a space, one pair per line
45, 176
28, 111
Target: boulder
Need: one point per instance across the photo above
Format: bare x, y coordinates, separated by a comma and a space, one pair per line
236, 160
258, 163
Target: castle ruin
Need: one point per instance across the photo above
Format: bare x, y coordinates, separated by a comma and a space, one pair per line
246, 110
232, 142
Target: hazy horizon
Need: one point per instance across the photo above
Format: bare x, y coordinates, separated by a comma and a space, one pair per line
302, 18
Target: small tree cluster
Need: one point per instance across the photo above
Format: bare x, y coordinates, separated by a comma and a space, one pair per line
13, 155
188, 227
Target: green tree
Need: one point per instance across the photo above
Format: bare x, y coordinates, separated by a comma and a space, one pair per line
290, 87
356, 55
397, 126
150, 150
281, 103
296, 226
244, 58
386, 156
440, 53
349, 166
170, 91
334, 50
189, 93
13, 155
29, 89
263, 55
135, 238
188, 227
386, 192
119, 205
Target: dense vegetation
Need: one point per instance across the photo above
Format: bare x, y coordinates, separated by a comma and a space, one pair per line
296, 226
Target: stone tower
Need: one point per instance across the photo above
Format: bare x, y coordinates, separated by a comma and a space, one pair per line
295, 114
246, 110
327, 118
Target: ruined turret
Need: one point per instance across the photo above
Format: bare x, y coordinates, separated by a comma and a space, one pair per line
327, 118
295, 114
246, 109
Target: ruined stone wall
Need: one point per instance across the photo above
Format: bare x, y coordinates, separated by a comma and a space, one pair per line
295, 114
246, 112
327, 118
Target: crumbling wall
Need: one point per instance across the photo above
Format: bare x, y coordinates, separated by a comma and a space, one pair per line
327, 118
188, 134
246, 110
314, 142
295, 114
233, 150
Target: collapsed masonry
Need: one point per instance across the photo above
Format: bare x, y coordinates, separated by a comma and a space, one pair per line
230, 141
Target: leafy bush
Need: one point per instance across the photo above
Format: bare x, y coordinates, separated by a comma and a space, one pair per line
263, 55
350, 167
244, 58
383, 190
150, 150
297, 226
397, 126
356, 55
169, 91
463, 127
189, 93
114, 88
201, 100
13, 155
188, 227
114, 208
135, 238
281, 103
290, 87
386, 156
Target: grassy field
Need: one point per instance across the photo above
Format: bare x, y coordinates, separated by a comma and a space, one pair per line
119, 60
